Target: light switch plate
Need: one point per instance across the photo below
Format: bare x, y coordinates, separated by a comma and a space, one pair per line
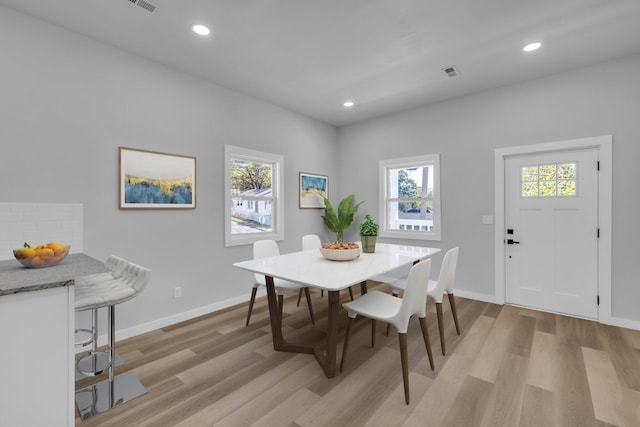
487, 219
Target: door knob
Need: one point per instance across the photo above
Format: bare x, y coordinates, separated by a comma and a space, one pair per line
512, 242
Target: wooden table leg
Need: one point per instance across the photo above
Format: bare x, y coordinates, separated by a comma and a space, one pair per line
363, 287
332, 333
274, 314
275, 319
326, 357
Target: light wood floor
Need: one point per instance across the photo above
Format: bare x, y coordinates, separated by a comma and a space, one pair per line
510, 367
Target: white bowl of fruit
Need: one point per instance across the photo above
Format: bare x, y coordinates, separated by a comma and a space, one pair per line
340, 251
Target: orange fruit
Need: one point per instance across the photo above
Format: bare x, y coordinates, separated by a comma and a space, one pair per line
58, 248
44, 253
25, 253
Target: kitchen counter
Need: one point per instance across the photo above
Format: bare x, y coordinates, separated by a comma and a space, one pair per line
15, 278
37, 320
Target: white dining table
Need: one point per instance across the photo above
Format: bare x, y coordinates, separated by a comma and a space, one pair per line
311, 269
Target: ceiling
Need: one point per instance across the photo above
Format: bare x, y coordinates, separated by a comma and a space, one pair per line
385, 55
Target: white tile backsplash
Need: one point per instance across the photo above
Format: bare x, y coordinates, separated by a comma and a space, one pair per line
38, 223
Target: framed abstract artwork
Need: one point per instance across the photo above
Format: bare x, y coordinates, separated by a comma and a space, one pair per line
154, 180
313, 189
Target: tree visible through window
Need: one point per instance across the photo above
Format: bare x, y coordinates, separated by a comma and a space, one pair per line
253, 203
250, 184
410, 195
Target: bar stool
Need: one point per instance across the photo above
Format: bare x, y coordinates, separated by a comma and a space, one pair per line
85, 336
125, 281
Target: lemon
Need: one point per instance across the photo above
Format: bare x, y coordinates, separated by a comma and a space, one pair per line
25, 253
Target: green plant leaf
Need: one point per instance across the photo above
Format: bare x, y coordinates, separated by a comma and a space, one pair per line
330, 219
346, 212
337, 223
369, 227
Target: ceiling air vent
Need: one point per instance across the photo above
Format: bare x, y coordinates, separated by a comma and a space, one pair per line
451, 71
146, 5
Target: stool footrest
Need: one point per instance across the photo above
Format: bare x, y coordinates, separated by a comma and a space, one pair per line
118, 360
80, 342
93, 363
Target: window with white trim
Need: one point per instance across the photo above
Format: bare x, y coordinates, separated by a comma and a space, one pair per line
410, 198
253, 196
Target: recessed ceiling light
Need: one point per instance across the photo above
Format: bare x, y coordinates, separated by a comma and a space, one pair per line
201, 30
348, 104
532, 46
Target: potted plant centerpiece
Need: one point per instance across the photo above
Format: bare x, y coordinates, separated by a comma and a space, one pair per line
337, 222
368, 234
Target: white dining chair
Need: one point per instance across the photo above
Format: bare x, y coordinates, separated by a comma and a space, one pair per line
437, 289
377, 305
313, 242
309, 242
391, 276
268, 248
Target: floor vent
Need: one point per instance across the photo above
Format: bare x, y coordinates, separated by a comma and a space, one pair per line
451, 71
146, 5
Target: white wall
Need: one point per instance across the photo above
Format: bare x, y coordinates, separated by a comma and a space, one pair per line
594, 101
68, 102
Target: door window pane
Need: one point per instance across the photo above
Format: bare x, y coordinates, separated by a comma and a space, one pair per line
549, 180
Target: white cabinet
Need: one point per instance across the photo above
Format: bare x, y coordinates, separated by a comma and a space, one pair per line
36, 358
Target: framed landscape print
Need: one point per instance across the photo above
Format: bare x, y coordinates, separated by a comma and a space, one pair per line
154, 180
313, 188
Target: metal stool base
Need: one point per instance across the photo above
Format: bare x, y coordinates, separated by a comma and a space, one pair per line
102, 363
95, 399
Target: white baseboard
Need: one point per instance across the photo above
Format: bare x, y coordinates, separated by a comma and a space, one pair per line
133, 331
477, 296
613, 321
622, 323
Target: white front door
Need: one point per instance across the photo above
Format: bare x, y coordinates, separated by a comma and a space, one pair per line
551, 221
